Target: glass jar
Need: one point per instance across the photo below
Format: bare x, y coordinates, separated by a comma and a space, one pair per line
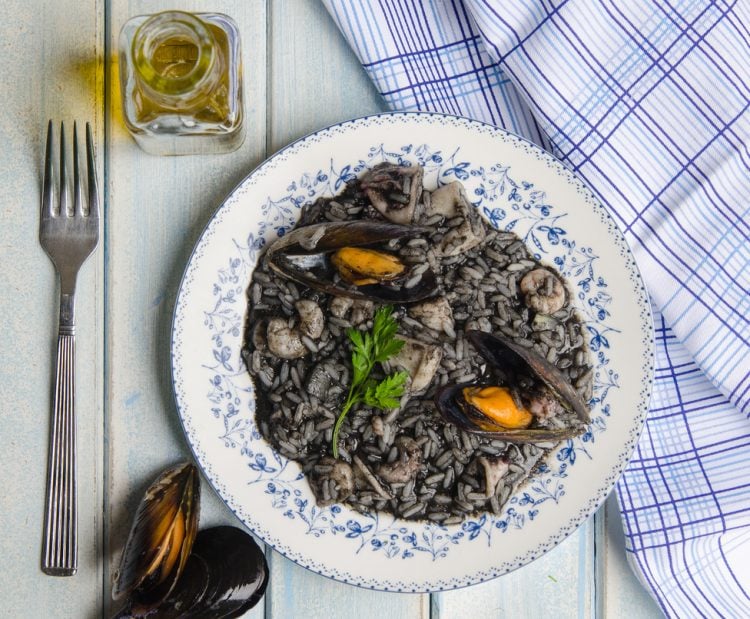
181, 83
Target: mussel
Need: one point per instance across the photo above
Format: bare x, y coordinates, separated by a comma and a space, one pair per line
362, 266
225, 576
518, 399
169, 570
160, 539
348, 259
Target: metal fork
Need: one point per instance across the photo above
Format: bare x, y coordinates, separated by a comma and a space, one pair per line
68, 233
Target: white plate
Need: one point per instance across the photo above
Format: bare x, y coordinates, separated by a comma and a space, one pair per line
516, 185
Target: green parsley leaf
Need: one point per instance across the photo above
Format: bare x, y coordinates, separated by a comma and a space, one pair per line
360, 356
390, 389
383, 331
369, 348
369, 398
387, 392
355, 337
389, 349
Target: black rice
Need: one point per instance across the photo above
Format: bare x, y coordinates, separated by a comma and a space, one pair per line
298, 401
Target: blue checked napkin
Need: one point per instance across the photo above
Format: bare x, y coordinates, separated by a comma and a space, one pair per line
648, 102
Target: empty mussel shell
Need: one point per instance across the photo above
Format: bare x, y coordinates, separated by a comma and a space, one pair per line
159, 543
518, 366
313, 256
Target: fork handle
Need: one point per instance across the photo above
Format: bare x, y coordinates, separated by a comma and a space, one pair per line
60, 546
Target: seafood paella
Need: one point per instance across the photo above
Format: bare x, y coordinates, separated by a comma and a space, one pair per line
410, 357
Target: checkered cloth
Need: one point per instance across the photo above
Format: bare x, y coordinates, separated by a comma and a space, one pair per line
647, 100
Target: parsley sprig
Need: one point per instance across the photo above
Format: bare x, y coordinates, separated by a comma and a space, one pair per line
369, 348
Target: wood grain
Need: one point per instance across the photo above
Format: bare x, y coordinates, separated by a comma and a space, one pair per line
622, 594
40, 83
157, 209
560, 580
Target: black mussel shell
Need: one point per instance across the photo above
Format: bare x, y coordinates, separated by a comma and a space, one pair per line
163, 531
456, 410
225, 576
303, 256
513, 361
505, 354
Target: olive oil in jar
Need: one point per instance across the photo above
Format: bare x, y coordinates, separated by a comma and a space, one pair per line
181, 83
175, 57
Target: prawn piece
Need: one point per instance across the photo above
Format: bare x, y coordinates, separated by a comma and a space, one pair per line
544, 291
286, 342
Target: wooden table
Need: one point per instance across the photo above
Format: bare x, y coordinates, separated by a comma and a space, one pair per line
60, 62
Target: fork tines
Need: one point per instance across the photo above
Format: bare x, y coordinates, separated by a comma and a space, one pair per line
53, 208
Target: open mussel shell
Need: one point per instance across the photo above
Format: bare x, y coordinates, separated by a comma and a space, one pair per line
504, 353
159, 543
304, 255
513, 361
454, 409
225, 576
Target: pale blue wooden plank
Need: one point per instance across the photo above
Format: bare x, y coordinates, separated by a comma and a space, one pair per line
158, 207
623, 594
51, 69
315, 79
297, 592
560, 583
